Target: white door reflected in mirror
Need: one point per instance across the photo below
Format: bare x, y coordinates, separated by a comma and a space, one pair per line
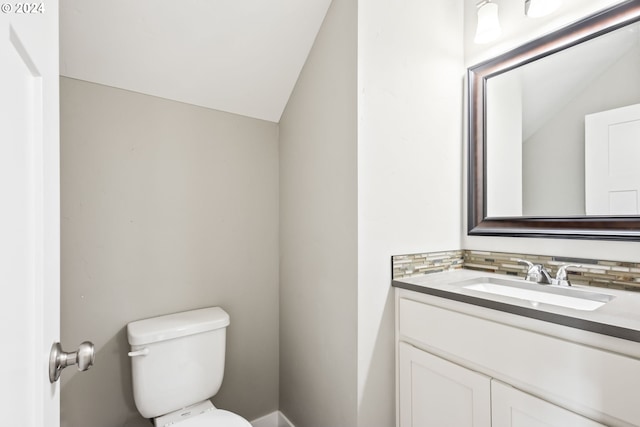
612, 152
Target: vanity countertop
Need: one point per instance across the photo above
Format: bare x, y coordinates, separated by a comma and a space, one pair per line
619, 318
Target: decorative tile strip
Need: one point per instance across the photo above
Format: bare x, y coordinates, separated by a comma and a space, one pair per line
432, 262
600, 273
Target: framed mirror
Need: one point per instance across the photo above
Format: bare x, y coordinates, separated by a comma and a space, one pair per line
554, 133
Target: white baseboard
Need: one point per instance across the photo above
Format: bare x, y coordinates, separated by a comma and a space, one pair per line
274, 419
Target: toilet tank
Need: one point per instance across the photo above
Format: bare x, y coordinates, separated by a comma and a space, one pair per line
177, 360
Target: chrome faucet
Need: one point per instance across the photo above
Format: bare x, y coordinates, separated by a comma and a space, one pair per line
537, 273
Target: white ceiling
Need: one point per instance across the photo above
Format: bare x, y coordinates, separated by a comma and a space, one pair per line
239, 56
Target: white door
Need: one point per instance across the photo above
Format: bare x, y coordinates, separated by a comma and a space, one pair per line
612, 155
29, 211
436, 393
514, 408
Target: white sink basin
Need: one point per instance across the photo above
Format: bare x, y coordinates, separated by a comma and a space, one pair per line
536, 294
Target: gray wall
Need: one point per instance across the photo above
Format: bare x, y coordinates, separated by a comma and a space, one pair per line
318, 231
165, 207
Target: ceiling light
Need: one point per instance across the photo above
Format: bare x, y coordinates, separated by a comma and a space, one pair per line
538, 8
488, 23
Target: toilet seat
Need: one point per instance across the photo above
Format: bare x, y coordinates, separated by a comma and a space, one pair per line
215, 418
202, 414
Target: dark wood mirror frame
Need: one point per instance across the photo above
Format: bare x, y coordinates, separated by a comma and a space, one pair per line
579, 227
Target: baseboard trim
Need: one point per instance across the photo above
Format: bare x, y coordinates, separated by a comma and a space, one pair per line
284, 421
274, 419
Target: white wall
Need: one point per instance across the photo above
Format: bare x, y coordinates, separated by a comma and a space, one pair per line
165, 207
410, 92
517, 29
318, 231
503, 157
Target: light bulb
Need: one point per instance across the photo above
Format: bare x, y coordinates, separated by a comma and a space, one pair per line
488, 23
539, 8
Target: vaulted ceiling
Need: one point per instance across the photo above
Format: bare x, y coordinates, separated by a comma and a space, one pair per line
239, 56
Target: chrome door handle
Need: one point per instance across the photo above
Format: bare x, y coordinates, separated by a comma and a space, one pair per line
58, 359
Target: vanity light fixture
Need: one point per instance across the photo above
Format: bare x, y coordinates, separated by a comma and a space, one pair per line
539, 8
488, 23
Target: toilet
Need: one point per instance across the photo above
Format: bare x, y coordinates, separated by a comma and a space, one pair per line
177, 365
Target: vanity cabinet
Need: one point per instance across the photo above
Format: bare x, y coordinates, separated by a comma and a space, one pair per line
460, 365
435, 392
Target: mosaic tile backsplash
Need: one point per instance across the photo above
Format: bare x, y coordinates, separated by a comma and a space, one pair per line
607, 274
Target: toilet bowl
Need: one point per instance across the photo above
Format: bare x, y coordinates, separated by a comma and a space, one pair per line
177, 365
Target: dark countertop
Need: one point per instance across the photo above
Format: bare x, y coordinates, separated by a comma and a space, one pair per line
618, 318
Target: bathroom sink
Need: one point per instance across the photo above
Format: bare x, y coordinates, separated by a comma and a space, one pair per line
535, 294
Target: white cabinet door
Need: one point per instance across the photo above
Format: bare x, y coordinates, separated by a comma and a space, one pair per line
514, 408
436, 393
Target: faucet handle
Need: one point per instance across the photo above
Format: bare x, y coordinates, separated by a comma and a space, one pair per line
536, 272
561, 275
533, 271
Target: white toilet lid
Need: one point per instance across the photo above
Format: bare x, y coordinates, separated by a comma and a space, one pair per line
215, 418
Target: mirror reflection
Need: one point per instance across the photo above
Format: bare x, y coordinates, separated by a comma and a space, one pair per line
563, 132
